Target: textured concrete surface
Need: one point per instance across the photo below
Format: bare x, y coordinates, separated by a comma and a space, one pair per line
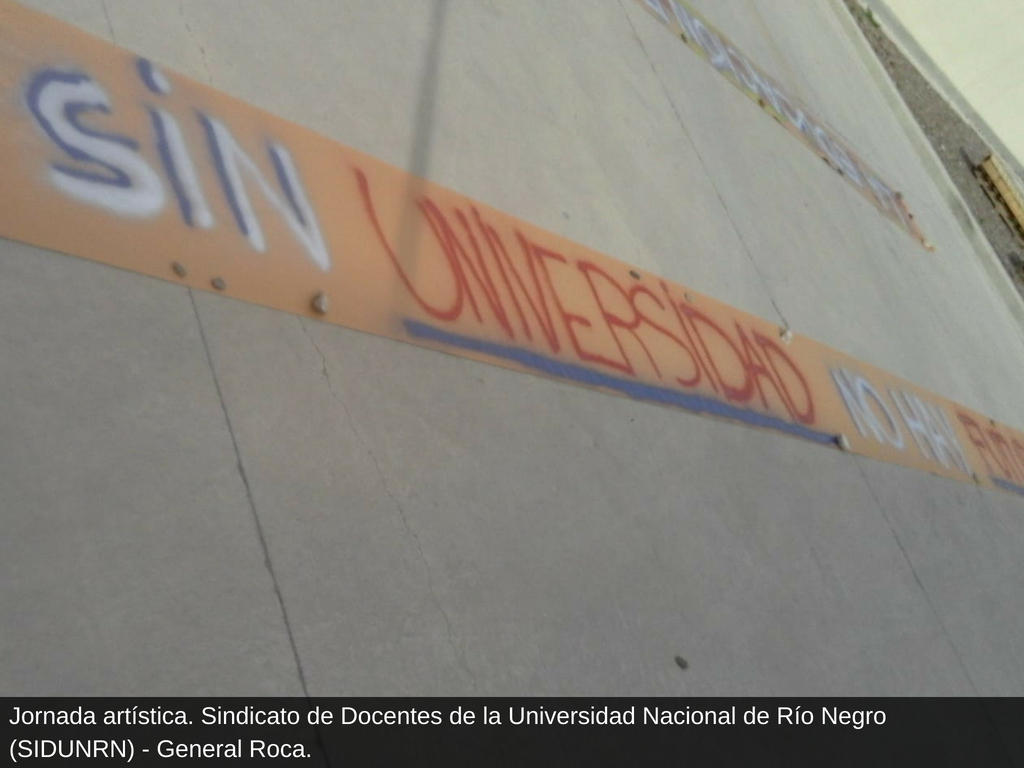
206, 496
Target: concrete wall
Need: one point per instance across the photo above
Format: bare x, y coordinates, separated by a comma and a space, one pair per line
203, 496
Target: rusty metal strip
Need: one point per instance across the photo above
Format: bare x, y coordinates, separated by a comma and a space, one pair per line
714, 47
106, 156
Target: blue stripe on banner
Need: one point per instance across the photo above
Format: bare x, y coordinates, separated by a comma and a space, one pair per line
1006, 485
635, 389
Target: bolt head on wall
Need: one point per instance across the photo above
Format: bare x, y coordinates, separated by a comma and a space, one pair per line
321, 303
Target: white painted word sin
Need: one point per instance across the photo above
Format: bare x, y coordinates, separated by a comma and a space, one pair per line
108, 170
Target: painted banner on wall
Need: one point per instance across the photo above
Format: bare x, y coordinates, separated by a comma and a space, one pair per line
107, 156
734, 65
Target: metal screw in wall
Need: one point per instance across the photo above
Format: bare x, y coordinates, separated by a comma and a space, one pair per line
179, 269
320, 303
218, 283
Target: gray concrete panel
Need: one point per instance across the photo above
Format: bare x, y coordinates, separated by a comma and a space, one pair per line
129, 563
203, 496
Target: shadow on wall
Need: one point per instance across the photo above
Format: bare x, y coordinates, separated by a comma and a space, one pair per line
423, 136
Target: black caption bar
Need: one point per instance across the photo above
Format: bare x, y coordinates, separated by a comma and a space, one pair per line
537, 732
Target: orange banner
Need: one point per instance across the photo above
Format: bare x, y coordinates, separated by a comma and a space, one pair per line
109, 157
734, 65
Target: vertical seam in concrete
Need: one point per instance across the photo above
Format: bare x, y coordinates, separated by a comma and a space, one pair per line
249, 496
457, 647
981, 701
192, 37
917, 578
106, 15
714, 186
